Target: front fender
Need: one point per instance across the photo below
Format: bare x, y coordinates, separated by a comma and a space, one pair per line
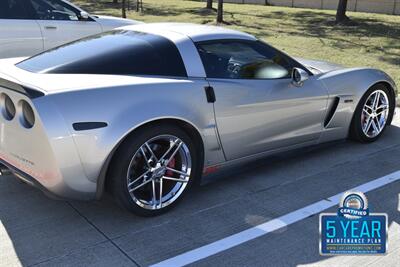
347, 86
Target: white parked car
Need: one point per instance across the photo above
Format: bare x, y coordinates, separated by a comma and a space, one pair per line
28, 27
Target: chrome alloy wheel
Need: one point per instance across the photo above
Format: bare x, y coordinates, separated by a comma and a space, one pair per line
159, 172
375, 113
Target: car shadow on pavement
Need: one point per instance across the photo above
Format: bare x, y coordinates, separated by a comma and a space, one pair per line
35, 230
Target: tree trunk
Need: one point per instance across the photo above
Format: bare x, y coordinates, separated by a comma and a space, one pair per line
209, 4
139, 5
220, 13
341, 11
124, 8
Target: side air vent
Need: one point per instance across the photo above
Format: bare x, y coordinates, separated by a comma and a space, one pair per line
84, 126
331, 110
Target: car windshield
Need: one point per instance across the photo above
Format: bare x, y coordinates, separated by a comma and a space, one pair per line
118, 52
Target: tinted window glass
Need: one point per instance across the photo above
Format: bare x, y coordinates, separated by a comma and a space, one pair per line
243, 60
116, 52
54, 10
12, 9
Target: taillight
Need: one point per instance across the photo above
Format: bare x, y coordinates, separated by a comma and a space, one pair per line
7, 107
27, 117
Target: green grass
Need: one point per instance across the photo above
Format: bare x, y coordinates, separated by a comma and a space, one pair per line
373, 42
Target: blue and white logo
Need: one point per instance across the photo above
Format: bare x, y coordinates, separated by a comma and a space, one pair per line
353, 205
353, 230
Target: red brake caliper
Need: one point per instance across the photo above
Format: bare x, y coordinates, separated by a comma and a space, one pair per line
171, 165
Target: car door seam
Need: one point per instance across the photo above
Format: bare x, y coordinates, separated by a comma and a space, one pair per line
216, 127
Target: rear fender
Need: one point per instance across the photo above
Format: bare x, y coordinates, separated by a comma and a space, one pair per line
126, 108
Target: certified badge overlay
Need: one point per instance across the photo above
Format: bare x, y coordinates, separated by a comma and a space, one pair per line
353, 230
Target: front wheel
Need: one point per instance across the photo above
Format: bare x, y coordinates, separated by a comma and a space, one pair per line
373, 113
154, 169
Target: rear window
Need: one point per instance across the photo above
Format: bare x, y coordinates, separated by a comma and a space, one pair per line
118, 52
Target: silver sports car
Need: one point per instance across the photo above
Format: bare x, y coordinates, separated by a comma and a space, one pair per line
144, 111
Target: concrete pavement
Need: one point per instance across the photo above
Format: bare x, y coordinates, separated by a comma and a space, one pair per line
35, 230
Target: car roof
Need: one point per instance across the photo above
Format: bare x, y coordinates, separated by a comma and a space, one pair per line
196, 32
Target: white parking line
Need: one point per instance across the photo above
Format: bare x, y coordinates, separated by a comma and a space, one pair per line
270, 226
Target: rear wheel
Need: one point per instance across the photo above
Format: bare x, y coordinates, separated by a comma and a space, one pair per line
373, 113
154, 169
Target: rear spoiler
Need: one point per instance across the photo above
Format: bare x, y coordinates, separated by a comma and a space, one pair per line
31, 93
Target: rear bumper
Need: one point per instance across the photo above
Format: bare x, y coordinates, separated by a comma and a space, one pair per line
29, 180
64, 193
43, 155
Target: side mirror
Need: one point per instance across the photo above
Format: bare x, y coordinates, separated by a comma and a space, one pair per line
299, 76
83, 15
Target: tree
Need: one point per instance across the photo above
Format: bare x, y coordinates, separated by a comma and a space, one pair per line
209, 4
124, 9
139, 5
341, 12
220, 12
115, 1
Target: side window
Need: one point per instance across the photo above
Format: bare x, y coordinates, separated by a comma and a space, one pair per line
54, 10
13, 9
239, 59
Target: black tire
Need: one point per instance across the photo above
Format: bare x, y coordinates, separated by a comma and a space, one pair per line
117, 175
356, 132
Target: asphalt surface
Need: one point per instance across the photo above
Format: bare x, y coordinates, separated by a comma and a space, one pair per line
37, 231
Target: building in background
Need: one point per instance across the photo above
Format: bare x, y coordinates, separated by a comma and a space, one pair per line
373, 6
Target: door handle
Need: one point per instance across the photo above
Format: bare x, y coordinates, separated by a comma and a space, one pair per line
50, 27
210, 94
